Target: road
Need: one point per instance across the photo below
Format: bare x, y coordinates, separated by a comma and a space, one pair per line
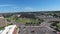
45, 28
42, 29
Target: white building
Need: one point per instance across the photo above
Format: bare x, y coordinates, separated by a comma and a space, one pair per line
12, 29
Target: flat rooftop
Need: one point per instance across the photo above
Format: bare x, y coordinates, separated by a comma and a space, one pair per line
8, 29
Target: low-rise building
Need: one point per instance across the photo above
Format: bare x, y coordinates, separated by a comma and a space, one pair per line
25, 15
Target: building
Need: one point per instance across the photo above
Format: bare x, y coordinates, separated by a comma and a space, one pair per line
27, 16
3, 22
12, 29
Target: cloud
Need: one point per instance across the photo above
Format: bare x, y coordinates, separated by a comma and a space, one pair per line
27, 9
4, 5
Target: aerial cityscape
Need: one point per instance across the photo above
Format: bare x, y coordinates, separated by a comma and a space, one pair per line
30, 23
29, 16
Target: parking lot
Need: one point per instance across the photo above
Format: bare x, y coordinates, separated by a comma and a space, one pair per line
35, 30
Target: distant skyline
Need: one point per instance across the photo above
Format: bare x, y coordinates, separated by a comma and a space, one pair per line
29, 5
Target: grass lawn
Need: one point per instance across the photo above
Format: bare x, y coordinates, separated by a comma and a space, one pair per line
1, 28
23, 20
29, 20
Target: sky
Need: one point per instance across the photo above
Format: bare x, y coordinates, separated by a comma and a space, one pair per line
29, 5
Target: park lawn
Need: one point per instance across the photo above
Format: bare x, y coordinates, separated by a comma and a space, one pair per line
28, 20
23, 20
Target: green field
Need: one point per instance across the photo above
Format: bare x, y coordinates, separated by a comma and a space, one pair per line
1, 28
24, 20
